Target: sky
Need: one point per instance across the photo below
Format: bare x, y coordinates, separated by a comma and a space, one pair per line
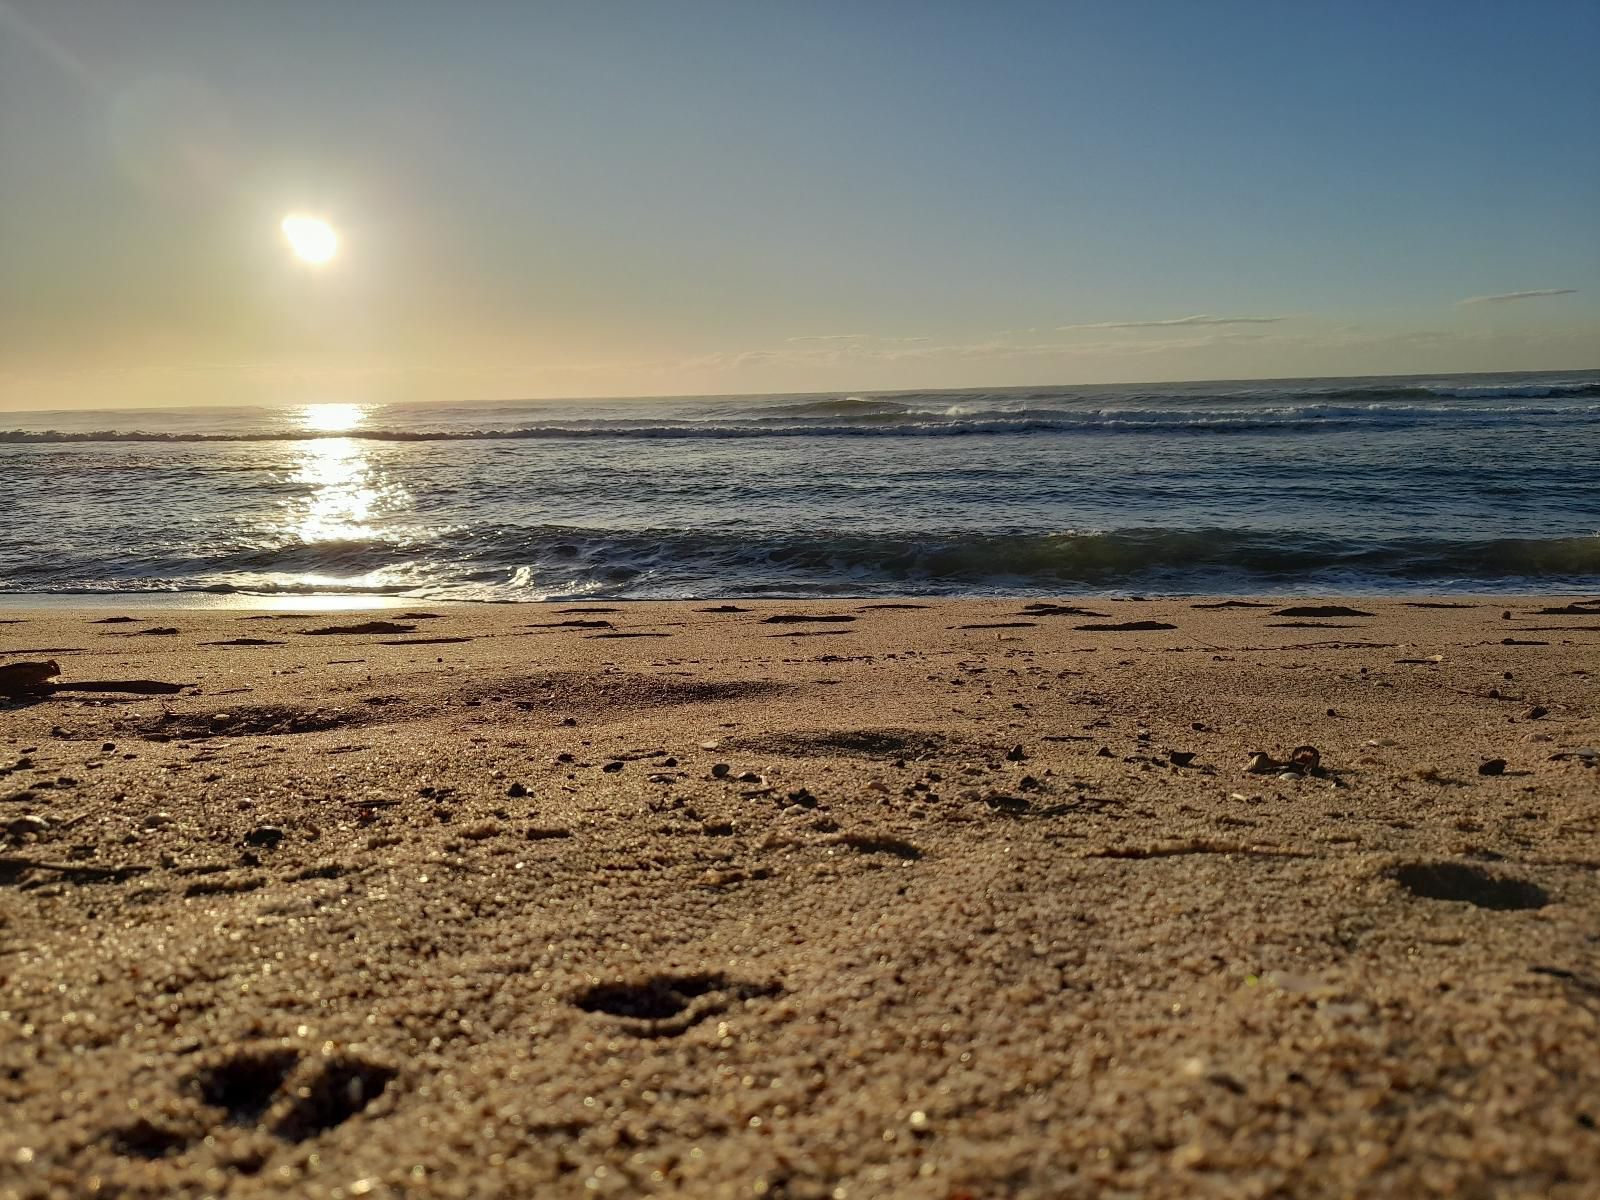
604, 198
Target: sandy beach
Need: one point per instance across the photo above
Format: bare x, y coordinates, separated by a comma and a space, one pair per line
947, 899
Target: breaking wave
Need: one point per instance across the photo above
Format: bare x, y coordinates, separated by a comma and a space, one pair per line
853, 418
543, 561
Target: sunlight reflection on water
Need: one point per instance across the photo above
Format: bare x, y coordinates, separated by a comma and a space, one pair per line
331, 418
343, 492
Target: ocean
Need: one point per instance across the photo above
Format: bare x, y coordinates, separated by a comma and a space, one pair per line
1472, 483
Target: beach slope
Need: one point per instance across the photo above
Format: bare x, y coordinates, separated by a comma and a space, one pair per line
823, 899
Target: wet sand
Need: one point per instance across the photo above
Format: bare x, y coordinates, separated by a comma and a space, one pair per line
843, 899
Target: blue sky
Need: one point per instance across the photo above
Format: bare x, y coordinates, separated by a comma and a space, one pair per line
609, 198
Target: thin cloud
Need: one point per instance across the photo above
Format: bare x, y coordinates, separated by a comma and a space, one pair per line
851, 337
1198, 319
853, 353
1508, 297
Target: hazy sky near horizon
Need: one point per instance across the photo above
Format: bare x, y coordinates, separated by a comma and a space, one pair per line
581, 199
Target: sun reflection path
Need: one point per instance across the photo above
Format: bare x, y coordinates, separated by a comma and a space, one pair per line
344, 520
343, 493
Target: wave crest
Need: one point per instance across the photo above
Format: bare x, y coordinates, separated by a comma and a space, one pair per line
542, 561
830, 420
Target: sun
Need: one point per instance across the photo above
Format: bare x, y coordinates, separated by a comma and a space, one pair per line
311, 238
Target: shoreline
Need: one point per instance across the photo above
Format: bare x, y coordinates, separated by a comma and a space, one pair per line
201, 601
921, 897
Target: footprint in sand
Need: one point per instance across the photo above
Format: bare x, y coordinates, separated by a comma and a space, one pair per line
296, 1098
669, 1005
870, 843
147, 1140
1466, 883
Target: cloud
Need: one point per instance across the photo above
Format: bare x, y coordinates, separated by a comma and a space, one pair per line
1198, 319
853, 352
851, 337
1507, 297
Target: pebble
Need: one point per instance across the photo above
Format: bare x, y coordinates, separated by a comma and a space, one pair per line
264, 835
1016, 754
1534, 713
516, 789
157, 820
720, 770
611, 768
1495, 766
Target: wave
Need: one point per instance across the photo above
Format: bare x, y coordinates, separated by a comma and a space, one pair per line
833, 421
1577, 390
529, 563
848, 406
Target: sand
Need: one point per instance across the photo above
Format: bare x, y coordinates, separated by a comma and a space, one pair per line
656, 899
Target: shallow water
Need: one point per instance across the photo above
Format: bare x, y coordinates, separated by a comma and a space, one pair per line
1465, 483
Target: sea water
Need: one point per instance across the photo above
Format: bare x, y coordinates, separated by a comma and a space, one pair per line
1460, 483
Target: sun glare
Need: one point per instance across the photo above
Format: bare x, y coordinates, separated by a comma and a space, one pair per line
331, 418
312, 239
